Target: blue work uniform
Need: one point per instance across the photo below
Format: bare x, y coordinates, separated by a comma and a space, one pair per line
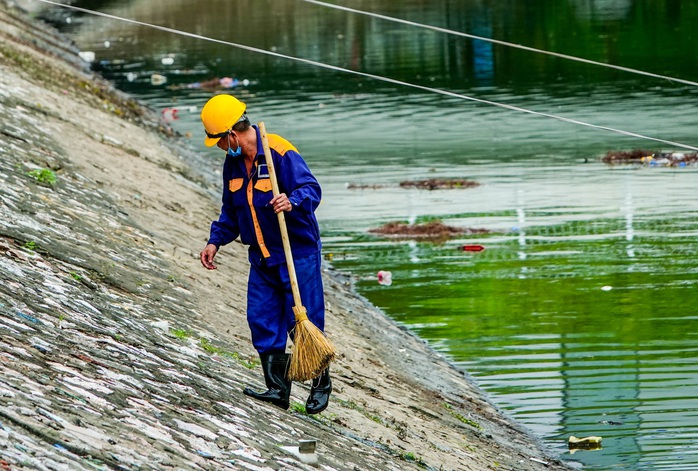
246, 213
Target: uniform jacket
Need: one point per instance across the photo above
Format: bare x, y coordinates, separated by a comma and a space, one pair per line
246, 211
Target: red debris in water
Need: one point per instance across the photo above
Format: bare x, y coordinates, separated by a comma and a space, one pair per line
473, 248
385, 278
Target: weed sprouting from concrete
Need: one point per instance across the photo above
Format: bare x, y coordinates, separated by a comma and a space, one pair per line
181, 334
44, 176
214, 350
298, 407
461, 418
411, 457
354, 406
209, 347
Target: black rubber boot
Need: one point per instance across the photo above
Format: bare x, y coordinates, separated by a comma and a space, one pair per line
274, 366
320, 391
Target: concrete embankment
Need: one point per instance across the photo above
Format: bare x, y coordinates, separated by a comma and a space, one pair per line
119, 351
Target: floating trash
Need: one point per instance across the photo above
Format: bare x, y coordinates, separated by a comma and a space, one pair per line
651, 158
440, 183
87, 56
585, 443
168, 59
170, 114
434, 230
606, 288
157, 79
385, 278
473, 248
213, 84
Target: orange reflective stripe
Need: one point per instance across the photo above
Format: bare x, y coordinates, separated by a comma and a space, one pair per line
255, 221
279, 144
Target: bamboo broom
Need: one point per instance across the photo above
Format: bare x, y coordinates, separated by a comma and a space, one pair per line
312, 350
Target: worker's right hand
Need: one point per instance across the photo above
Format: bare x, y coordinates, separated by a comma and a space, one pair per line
207, 256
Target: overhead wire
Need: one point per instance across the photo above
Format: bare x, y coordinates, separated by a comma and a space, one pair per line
371, 76
499, 42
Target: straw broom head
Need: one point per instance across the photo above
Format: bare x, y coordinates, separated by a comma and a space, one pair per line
312, 350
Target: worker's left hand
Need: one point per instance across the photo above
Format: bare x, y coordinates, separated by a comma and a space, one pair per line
281, 203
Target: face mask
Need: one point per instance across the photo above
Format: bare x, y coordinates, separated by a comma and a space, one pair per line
234, 153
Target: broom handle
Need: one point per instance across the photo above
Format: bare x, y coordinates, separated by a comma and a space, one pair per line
282, 219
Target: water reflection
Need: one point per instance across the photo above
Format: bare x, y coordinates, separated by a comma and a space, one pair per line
579, 316
604, 10
606, 31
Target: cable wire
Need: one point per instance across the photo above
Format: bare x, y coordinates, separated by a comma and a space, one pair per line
371, 76
499, 42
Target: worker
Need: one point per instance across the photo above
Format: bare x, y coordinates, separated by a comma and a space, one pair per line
250, 212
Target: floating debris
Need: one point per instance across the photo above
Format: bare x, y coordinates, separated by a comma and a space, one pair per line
364, 186
585, 443
473, 248
170, 114
430, 230
611, 422
651, 158
87, 56
385, 278
440, 184
157, 79
429, 184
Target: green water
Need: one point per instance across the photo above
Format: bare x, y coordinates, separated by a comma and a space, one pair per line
579, 316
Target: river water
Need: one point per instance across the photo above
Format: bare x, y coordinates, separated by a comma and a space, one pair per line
579, 317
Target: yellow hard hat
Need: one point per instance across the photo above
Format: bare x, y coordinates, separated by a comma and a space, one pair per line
219, 115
